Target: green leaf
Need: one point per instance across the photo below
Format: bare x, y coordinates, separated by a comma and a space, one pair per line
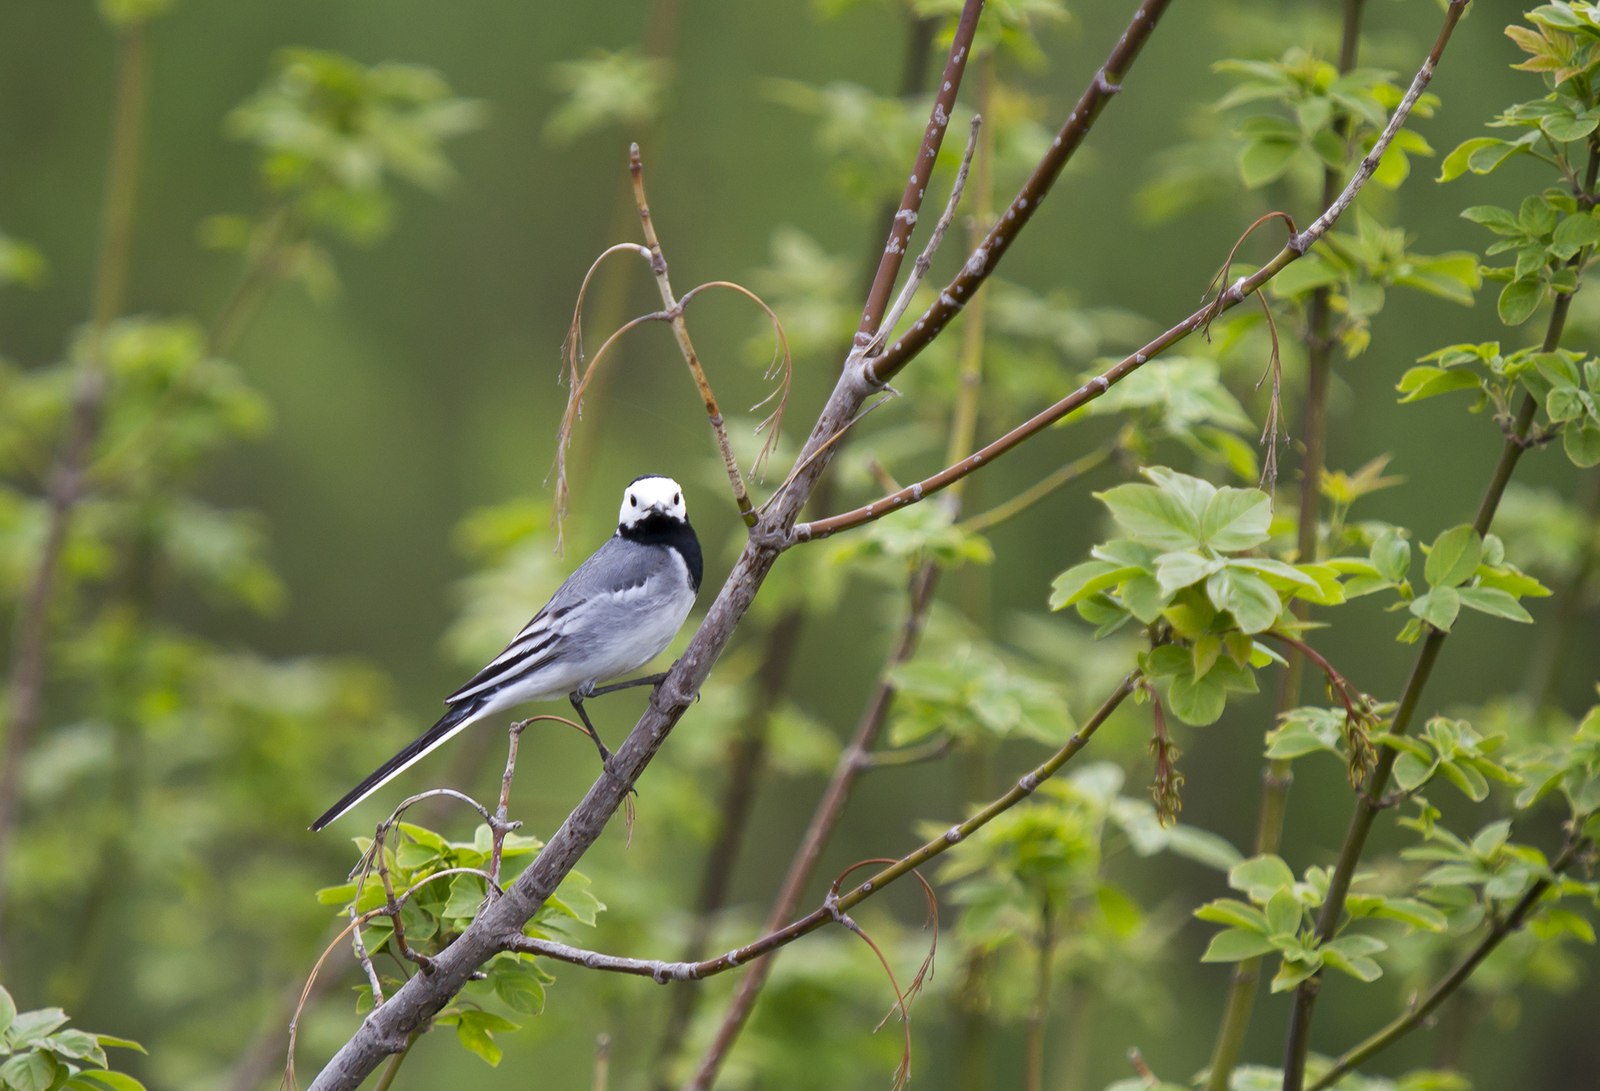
1412, 912
1236, 519
1232, 912
1197, 702
1178, 570
1438, 607
1454, 556
475, 1038
1581, 441
1412, 771
1467, 780
1427, 382
8, 1012
519, 985
1292, 972
1456, 163
1082, 580
1519, 299
1262, 161
1250, 599
1356, 966
1283, 913
466, 895
1143, 597
1233, 944
1391, 556
1492, 600
1261, 877
1499, 220
1153, 515
34, 1070
1564, 403
1202, 846
117, 1081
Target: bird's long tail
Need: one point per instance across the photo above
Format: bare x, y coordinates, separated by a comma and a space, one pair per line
459, 716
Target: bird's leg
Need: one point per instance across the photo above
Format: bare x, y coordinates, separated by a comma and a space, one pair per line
647, 680
576, 697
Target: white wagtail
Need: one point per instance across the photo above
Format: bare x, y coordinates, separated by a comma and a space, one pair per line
613, 615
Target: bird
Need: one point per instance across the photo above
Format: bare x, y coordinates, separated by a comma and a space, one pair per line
614, 614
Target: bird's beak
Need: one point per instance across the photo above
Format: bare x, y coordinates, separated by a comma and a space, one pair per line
659, 509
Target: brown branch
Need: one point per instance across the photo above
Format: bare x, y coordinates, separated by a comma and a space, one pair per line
848, 768
984, 258
1230, 297
919, 268
745, 762
905, 219
680, 331
835, 903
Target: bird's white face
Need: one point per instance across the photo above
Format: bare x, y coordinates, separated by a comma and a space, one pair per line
652, 494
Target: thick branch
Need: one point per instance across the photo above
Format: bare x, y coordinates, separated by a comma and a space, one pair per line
850, 766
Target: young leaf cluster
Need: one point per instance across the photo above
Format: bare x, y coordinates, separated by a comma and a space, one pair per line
39, 1052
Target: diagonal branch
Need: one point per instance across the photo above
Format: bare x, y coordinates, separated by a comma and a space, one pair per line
983, 260
905, 219
1419, 1010
680, 331
386, 1030
835, 904
1229, 298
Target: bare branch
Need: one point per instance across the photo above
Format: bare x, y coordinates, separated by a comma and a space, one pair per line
1230, 297
919, 268
680, 330
986, 257
921, 171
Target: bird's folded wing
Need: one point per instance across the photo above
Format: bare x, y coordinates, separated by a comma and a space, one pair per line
538, 643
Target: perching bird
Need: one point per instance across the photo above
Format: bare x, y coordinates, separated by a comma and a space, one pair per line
613, 615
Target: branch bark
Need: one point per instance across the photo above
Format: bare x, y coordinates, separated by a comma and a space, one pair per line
1229, 298
834, 906
387, 1029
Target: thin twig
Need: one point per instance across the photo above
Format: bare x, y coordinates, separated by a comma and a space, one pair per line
662, 972
1230, 297
905, 219
1038, 491
680, 330
919, 268
986, 256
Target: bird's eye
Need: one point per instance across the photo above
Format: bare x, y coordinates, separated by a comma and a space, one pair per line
674, 498
634, 500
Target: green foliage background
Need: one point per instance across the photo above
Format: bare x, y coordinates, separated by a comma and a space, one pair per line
425, 389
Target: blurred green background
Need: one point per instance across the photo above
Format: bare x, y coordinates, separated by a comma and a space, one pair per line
427, 388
